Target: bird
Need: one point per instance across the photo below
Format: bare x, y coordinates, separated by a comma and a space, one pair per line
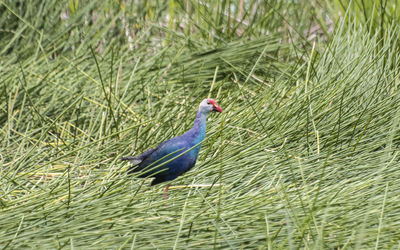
177, 155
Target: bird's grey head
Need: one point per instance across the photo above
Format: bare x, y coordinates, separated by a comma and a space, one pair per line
208, 105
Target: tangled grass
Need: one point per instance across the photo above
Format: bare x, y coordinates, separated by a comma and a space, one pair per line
305, 155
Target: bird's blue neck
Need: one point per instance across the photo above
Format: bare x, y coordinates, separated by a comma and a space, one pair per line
198, 131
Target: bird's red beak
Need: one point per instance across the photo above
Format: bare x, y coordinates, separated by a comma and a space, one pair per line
216, 107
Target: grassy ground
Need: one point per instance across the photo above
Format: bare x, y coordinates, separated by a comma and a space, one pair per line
305, 155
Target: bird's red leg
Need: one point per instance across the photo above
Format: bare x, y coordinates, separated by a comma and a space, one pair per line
166, 192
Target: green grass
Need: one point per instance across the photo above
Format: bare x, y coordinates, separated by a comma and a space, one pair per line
305, 154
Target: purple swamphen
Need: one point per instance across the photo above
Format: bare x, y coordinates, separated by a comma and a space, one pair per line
177, 155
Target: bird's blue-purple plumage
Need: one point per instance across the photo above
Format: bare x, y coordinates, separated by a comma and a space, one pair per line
149, 162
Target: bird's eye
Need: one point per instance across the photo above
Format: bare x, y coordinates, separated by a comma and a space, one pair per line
208, 103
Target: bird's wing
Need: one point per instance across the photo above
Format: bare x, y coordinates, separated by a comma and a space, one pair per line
174, 168
173, 145
165, 151
167, 147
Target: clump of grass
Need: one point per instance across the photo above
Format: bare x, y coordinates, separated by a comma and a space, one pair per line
304, 156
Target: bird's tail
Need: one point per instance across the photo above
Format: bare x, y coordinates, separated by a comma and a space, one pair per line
128, 158
133, 159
